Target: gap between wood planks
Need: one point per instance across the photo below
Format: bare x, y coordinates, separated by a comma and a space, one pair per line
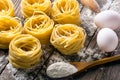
109, 69
91, 38
16, 5
50, 55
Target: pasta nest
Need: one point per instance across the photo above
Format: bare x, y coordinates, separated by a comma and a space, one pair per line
6, 8
68, 38
66, 11
24, 51
9, 28
40, 26
28, 7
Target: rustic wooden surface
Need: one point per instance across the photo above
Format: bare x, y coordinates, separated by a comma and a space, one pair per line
110, 71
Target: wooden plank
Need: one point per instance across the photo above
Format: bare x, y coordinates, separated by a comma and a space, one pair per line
3, 60
17, 7
109, 69
31, 74
12, 73
3, 53
87, 17
21, 74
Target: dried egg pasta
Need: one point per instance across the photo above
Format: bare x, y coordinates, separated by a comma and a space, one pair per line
6, 8
9, 28
68, 38
24, 51
66, 11
40, 26
28, 7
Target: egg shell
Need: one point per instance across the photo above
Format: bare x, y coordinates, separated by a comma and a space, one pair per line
107, 19
107, 40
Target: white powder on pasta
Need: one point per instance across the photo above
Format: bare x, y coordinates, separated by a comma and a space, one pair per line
60, 69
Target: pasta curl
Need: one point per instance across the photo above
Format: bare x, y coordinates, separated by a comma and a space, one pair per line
40, 26
66, 11
6, 8
68, 38
9, 28
24, 51
28, 7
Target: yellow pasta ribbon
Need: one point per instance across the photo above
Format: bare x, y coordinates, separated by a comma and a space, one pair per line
24, 51
40, 26
9, 28
68, 38
6, 8
66, 11
28, 7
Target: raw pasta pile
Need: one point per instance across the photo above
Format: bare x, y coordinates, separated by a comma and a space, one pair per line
40, 26
6, 8
24, 51
68, 38
31, 6
9, 28
66, 11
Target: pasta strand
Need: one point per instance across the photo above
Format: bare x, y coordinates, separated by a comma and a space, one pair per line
66, 12
24, 51
9, 28
68, 38
6, 8
40, 26
28, 7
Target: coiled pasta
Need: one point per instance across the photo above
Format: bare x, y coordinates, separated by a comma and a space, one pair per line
68, 38
6, 8
24, 51
9, 28
28, 7
40, 26
66, 11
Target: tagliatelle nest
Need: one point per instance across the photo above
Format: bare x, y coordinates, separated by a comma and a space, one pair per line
66, 11
9, 28
6, 8
28, 7
40, 26
24, 51
68, 38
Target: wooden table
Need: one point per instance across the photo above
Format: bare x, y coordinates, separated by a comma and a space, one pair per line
110, 71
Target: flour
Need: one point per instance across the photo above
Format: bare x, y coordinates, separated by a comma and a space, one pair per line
60, 69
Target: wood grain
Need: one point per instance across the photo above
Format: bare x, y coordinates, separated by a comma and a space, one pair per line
3, 60
109, 71
87, 17
8, 72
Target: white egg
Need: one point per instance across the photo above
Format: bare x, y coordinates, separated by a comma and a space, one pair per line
107, 19
107, 40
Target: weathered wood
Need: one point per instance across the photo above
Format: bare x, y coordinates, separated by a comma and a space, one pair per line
109, 71
87, 17
3, 60
38, 73
8, 72
20, 74
112, 71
